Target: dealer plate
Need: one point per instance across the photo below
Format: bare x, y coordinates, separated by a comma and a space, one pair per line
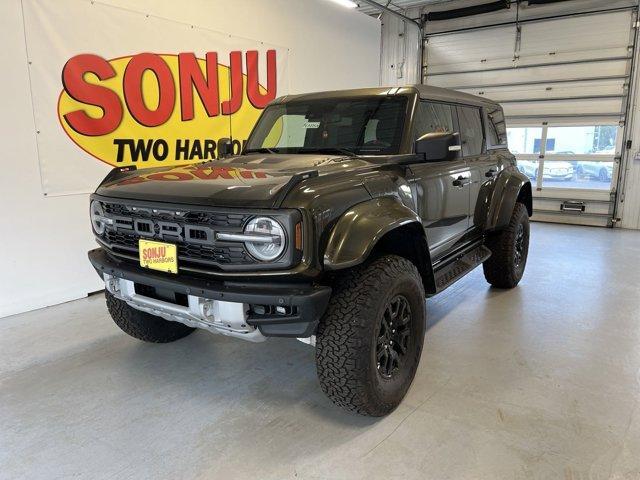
158, 256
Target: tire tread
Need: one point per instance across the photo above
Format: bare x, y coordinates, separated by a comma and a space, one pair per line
343, 336
498, 269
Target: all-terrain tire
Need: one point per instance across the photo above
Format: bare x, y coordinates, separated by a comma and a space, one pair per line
348, 336
144, 326
504, 269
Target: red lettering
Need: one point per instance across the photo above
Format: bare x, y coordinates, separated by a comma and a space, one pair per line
144, 254
222, 172
234, 103
191, 77
80, 90
134, 97
171, 176
256, 98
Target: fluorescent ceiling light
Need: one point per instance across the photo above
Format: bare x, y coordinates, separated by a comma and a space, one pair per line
346, 3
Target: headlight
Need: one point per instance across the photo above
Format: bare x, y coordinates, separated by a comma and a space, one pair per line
97, 217
269, 241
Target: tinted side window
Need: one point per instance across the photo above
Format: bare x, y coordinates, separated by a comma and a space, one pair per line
497, 126
471, 134
432, 117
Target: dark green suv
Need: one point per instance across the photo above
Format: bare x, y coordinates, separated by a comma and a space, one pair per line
343, 212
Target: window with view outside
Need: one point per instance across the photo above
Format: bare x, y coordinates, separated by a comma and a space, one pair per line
524, 139
366, 126
594, 139
569, 161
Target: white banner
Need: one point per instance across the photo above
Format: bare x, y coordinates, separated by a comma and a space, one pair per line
112, 87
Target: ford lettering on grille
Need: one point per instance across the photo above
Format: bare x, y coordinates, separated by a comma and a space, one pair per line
194, 232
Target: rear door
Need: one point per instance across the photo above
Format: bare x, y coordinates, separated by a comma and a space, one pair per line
442, 188
483, 166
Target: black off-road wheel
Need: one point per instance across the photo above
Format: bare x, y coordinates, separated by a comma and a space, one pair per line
369, 342
509, 251
144, 326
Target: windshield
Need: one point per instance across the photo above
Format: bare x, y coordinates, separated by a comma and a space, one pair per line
365, 126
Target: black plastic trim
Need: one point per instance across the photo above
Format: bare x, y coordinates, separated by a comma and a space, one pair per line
311, 300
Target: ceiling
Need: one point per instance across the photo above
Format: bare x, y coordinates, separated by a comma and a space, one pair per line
398, 5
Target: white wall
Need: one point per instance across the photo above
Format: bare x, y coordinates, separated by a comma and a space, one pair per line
44, 240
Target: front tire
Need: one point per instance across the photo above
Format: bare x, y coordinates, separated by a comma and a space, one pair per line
369, 342
144, 326
509, 251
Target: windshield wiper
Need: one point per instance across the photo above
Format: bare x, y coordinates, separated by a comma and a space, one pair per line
260, 150
343, 151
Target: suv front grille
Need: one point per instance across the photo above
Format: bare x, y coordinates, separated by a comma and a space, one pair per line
193, 232
211, 219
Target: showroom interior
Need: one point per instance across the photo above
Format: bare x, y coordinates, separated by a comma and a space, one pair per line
539, 381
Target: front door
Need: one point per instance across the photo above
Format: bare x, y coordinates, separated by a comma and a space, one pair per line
442, 188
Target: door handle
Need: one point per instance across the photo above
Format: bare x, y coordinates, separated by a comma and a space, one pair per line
490, 173
459, 182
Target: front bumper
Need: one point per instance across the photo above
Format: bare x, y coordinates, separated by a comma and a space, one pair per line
306, 303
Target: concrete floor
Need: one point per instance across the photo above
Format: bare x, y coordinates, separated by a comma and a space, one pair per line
539, 382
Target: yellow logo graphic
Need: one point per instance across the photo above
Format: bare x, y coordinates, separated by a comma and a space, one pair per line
155, 110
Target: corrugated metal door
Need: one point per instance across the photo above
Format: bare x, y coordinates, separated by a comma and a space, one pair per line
563, 81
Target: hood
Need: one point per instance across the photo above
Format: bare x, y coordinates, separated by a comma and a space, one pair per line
255, 180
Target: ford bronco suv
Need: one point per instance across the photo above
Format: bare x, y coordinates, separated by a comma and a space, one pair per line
343, 212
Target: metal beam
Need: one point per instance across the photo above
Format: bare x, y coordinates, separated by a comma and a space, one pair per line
534, 65
404, 18
540, 82
532, 20
375, 4
551, 116
561, 99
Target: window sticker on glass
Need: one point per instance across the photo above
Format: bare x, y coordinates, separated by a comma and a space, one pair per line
311, 124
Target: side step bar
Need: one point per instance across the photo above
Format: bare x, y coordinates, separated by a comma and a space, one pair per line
453, 269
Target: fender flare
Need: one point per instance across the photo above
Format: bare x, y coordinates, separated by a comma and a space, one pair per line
496, 205
359, 229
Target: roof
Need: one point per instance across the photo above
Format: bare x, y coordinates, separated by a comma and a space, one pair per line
426, 92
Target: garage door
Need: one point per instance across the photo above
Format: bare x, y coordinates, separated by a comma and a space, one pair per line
563, 80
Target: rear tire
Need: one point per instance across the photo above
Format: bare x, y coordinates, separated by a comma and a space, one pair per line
144, 326
369, 342
509, 251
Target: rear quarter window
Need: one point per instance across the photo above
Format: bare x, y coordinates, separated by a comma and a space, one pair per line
496, 127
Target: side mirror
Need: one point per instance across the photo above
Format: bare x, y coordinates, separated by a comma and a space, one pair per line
225, 147
438, 147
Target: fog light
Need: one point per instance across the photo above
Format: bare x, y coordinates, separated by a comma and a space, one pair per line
259, 309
